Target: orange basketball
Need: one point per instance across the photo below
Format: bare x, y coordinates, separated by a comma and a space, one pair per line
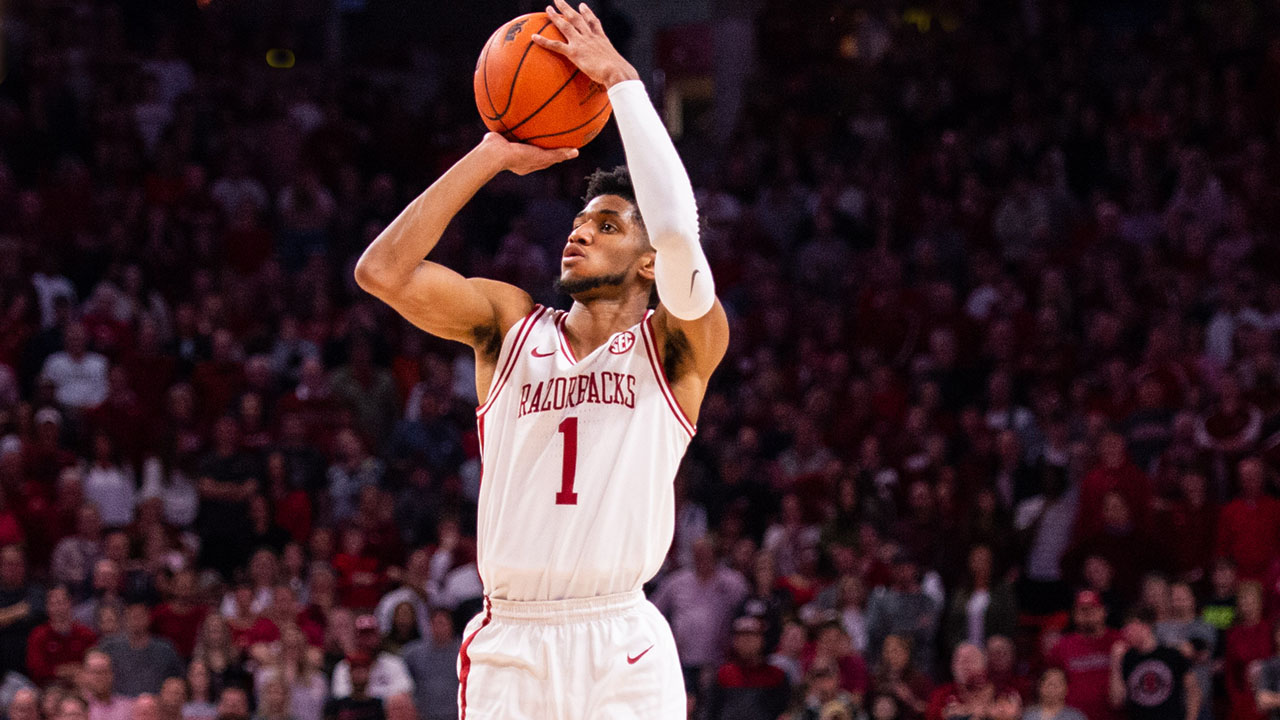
532, 95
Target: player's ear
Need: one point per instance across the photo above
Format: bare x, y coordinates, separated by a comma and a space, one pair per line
646, 264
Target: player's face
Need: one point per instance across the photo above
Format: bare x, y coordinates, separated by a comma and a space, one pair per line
607, 247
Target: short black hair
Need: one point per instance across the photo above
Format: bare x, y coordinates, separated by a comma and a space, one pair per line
612, 182
1144, 614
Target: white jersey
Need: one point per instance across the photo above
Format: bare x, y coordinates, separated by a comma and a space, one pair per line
576, 496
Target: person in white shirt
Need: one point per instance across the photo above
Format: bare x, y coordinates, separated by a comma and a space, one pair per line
387, 677
79, 376
110, 484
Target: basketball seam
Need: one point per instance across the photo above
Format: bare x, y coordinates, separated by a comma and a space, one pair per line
484, 65
484, 80
514, 77
546, 102
566, 132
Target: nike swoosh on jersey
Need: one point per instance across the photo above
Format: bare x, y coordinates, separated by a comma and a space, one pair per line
693, 277
534, 352
633, 660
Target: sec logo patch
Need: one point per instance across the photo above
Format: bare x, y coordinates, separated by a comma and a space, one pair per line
622, 342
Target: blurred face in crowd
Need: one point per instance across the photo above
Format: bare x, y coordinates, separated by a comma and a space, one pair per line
198, 680
88, 522
184, 586
115, 547
1089, 618
824, 680
25, 705
980, 565
704, 556
234, 703
895, 653
401, 707
72, 708
441, 626
1139, 634
1252, 477
1155, 592
1111, 450
368, 641
1249, 603
360, 678
173, 695
884, 707
1053, 687
1182, 601
1115, 512
137, 619
1000, 654
13, 566
98, 677
969, 666
748, 645
1223, 577
791, 642
57, 604
146, 707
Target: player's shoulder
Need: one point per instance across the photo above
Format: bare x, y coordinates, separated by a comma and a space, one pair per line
511, 304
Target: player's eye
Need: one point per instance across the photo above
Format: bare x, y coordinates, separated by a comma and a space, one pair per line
607, 227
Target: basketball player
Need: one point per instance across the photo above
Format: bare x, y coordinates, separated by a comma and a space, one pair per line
584, 414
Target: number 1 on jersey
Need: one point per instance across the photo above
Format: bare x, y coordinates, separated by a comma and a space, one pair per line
566, 496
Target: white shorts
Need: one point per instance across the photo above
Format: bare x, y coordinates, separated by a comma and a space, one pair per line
603, 658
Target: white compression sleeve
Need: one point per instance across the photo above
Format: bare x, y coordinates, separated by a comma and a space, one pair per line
667, 204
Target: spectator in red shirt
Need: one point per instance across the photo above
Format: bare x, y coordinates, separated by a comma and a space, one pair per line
179, 619
56, 648
970, 692
831, 644
1085, 656
283, 611
219, 379
1249, 526
1190, 521
1248, 642
360, 577
1114, 472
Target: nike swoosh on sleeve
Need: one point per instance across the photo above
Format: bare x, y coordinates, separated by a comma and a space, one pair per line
693, 277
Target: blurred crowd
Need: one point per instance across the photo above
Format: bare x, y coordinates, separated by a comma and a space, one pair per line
997, 436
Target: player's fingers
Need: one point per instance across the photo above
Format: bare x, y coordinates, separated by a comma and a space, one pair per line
562, 23
589, 16
554, 46
573, 16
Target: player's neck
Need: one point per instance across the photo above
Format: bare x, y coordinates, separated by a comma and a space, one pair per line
591, 322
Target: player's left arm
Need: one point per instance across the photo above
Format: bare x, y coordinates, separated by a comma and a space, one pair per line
690, 323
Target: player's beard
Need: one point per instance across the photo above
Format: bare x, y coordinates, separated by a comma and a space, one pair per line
580, 285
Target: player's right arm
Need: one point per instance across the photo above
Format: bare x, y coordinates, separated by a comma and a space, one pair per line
439, 300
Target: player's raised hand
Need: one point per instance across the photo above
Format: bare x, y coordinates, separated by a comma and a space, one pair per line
523, 159
586, 45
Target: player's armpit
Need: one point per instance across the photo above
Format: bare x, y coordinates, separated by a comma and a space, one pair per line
691, 349
474, 311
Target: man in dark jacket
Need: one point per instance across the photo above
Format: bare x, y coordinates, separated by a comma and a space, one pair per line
746, 687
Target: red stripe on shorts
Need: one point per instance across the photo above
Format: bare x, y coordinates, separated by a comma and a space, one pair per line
464, 662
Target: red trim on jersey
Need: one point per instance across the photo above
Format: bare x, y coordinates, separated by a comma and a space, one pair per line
464, 661
526, 329
564, 340
655, 362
